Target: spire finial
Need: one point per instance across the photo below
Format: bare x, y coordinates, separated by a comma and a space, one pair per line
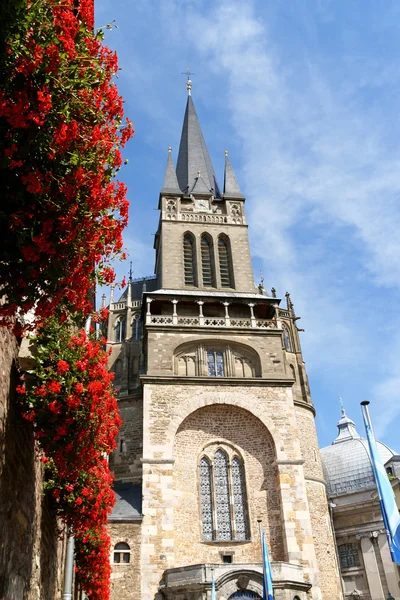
130, 271
169, 149
188, 80
226, 152
342, 405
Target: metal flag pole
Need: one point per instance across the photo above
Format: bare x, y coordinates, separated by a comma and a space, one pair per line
69, 567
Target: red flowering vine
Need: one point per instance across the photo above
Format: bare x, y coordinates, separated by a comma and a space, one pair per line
61, 125
70, 401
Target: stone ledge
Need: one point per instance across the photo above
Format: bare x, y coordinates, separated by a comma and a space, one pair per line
218, 381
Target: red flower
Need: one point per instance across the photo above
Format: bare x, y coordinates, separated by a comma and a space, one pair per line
62, 367
54, 386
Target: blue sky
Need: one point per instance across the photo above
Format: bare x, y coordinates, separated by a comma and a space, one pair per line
305, 96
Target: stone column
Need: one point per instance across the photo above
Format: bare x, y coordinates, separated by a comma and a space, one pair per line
148, 313
252, 317
277, 317
391, 570
201, 316
174, 313
371, 569
227, 319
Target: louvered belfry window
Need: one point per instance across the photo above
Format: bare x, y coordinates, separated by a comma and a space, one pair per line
222, 498
224, 263
188, 260
207, 262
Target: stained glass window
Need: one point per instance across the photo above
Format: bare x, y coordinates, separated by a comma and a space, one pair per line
238, 500
348, 555
215, 362
206, 499
222, 499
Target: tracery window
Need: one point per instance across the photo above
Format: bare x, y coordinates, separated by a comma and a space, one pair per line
136, 327
286, 339
222, 498
224, 256
215, 363
349, 556
207, 266
120, 329
122, 553
206, 499
189, 259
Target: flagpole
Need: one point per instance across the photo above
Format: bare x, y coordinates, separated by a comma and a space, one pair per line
389, 509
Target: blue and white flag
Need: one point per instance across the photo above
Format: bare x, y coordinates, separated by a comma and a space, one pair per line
268, 592
390, 512
213, 593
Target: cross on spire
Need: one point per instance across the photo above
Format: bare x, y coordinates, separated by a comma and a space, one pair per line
188, 80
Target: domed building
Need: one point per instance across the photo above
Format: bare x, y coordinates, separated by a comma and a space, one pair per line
366, 566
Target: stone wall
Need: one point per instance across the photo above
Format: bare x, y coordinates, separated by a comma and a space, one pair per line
125, 578
125, 461
172, 276
30, 555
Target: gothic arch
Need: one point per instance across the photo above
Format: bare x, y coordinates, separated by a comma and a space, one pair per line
250, 404
235, 580
207, 260
189, 259
225, 261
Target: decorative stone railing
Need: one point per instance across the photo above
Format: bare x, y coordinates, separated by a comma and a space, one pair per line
203, 218
122, 305
214, 322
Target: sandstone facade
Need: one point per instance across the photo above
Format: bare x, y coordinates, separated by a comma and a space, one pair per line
220, 432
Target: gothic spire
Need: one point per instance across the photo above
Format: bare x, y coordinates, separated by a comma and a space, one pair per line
171, 185
231, 186
194, 169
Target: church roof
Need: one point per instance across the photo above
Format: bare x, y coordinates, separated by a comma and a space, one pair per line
128, 502
347, 463
194, 169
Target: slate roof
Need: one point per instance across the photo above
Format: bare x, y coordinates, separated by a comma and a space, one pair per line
139, 286
128, 505
231, 186
194, 157
347, 463
170, 185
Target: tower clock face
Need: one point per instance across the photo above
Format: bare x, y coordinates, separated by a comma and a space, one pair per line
202, 205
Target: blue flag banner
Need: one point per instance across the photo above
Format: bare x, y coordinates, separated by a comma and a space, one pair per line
390, 512
213, 593
268, 593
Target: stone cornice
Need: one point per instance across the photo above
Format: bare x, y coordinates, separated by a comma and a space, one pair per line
217, 381
302, 404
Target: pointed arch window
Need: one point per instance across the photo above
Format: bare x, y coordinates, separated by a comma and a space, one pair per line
222, 498
189, 259
120, 330
225, 265
206, 499
136, 327
207, 266
287, 344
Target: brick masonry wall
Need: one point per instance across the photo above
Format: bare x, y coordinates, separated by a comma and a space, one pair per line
30, 555
125, 578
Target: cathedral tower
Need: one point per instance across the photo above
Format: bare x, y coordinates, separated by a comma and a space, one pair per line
218, 420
